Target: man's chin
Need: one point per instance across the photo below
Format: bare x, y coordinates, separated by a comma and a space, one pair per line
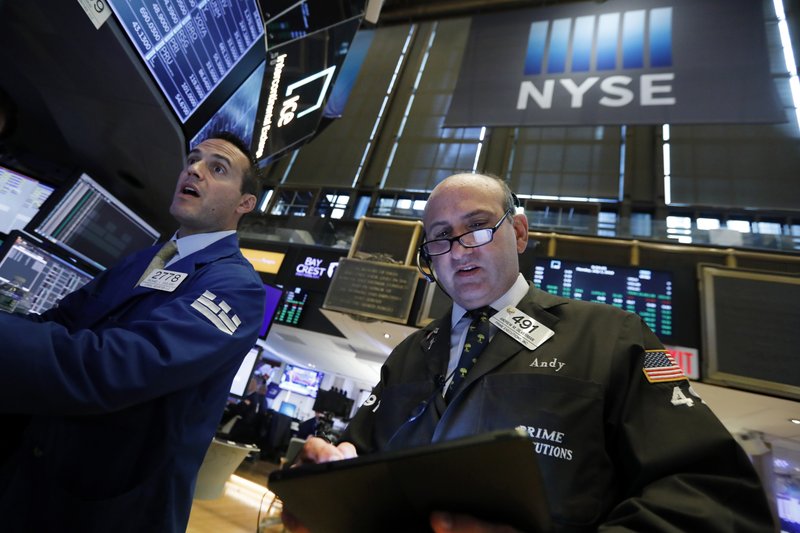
470, 295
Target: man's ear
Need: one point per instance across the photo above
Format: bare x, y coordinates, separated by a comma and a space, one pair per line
521, 231
246, 204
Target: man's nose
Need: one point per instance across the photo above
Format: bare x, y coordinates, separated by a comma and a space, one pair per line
196, 168
459, 250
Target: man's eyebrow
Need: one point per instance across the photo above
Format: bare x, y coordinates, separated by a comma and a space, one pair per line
221, 157
465, 217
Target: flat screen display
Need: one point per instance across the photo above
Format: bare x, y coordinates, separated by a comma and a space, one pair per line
242, 377
91, 223
643, 291
190, 46
263, 260
20, 199
287, 20
271, 302
291, 309
333, 402
300, 380
44, 276
238, 114
297, 81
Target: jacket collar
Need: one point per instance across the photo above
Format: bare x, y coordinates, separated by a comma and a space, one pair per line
224, 247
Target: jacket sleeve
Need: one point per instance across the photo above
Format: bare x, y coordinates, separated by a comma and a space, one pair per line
52, 367
680, 469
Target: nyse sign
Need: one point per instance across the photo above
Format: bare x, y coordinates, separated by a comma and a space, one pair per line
604, 43
617, 62
612, 91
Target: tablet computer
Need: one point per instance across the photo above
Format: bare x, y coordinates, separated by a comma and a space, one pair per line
493, 476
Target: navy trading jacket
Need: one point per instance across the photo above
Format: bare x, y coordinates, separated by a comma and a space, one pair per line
126, 386
617, 452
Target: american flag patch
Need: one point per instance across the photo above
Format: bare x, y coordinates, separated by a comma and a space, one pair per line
660, 366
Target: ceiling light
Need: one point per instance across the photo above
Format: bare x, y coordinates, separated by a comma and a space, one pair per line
387, 336
795, 421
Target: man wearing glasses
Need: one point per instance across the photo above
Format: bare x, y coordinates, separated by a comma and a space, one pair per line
622, 440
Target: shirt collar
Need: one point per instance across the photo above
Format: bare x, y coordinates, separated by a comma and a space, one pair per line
194, 243
511, 297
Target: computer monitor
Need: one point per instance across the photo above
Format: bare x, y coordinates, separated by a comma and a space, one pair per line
238, 114
93, 224
333, 402
291, 308
273, 298
643, 291
356, 54
46, 274
21, 197
297, 82
749, 323
263, 260
242, 377
190, 48
300, 380
288, 20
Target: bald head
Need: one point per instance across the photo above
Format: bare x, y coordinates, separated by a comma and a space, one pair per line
490, 186
478, 275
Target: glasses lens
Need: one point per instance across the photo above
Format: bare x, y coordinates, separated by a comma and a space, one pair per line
437, 247
479, 237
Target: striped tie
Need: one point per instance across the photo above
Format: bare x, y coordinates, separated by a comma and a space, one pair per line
161, 258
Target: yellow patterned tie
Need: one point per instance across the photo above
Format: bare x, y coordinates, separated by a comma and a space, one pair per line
476, 341
161, 258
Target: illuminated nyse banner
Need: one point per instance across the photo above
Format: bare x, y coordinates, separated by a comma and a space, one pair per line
189, 45
617, 62
648, 293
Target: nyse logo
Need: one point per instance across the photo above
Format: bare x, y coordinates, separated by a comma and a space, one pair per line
305, 87
579, 51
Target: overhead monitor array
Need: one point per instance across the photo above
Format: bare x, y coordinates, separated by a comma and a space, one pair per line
190, 47
266, 70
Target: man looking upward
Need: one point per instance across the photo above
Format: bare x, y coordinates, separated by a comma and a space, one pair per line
126, 379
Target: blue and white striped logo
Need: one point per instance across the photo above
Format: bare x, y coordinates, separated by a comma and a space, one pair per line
635, 39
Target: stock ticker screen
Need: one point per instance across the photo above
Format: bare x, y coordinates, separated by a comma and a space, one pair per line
291, 309
646, 292
190, 45
44, 276
88, 221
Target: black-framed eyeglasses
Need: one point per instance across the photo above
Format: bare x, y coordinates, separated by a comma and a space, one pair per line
470, 239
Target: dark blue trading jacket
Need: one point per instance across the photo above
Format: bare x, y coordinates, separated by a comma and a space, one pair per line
126, 386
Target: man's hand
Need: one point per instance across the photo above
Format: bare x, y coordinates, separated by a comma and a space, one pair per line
316, 450
459, 523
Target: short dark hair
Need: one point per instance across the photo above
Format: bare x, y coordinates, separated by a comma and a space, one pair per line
250, 182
